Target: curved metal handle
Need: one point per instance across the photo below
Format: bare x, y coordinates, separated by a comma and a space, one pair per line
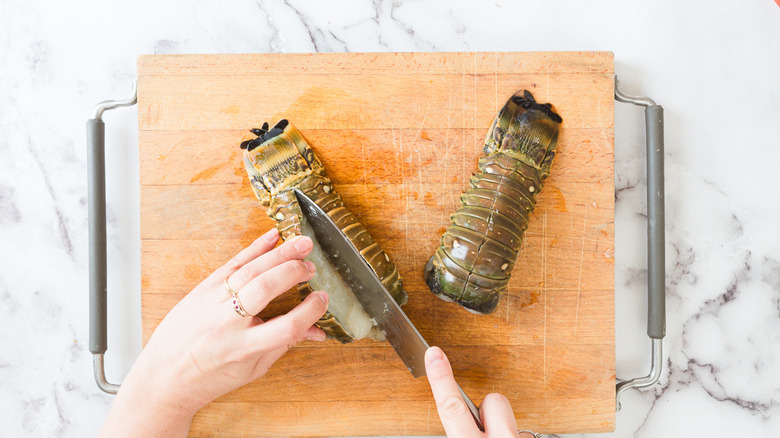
656, 238
98, 267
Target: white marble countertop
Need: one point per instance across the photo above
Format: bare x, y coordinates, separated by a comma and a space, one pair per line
714, 66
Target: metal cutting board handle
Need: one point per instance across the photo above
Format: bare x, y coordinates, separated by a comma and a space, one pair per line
656, 239
98, 266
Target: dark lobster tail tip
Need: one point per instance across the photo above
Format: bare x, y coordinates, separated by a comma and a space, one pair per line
259, 132
527, 101
552, 114
264, 134
253, 144
281, 124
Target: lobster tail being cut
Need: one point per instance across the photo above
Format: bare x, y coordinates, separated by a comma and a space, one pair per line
279, 160
477, 253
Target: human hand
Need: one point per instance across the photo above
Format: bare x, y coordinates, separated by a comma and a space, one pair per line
495, 412
204, 348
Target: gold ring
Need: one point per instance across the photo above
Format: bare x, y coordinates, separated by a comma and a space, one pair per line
229, 289
236, 301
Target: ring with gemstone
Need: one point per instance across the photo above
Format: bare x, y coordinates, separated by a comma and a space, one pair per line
236, 301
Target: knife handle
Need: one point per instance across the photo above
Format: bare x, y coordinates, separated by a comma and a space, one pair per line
472, 408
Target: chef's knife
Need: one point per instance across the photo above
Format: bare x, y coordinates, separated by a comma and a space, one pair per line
371, 293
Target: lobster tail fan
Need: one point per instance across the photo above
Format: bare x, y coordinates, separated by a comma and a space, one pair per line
272, 133
264, 134
259, 132
527, 102
253, 144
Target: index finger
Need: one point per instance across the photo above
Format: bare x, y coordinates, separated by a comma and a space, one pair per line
453, 412
260, 246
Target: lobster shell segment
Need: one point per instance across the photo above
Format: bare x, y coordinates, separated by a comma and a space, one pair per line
279, 160
477, 253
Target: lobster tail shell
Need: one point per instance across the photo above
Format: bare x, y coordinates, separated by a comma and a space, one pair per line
277, 161
476, 255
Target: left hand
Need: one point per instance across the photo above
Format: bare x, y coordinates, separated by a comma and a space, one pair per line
204, 349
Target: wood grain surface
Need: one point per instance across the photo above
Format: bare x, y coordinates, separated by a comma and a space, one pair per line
399, 134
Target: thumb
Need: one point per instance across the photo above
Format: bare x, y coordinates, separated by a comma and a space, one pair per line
497, 416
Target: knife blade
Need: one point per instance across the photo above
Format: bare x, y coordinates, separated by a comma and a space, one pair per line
370, 292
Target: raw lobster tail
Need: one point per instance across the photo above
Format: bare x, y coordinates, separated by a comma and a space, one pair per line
277, 161
477, 253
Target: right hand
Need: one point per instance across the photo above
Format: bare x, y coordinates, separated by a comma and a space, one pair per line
495, 412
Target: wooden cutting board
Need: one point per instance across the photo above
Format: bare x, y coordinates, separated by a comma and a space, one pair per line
399, 134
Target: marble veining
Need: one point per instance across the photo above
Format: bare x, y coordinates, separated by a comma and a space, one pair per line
714, 67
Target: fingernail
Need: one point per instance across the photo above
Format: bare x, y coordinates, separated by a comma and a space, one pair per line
434, 356
318, 337
303, 244
310, 266
323, 296
271, 235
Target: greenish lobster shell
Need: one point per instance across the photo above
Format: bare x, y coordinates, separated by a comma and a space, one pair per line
279, 160
476, 255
